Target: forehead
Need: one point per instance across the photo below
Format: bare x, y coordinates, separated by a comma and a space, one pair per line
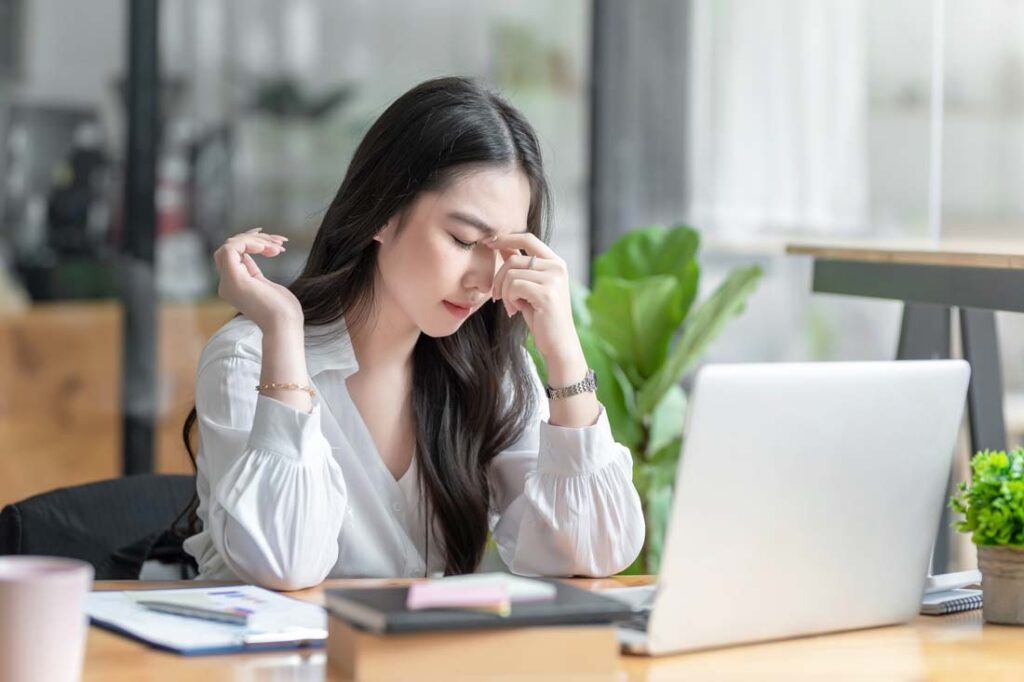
499, 197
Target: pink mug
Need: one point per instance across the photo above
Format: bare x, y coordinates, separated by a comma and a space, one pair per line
43, 623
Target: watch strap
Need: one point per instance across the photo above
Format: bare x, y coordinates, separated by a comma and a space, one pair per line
587, 385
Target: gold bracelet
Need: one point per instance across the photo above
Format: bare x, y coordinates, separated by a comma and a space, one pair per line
291, 387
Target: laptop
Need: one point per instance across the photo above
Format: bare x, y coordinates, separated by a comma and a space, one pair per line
807, 499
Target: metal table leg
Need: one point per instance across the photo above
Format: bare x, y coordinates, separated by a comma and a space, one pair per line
924, 333
985, 394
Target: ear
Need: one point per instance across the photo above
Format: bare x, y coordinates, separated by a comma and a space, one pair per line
384, 233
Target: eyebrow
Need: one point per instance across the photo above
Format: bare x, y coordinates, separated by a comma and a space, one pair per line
475, 222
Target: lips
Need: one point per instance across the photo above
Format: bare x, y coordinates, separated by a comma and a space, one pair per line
460, 310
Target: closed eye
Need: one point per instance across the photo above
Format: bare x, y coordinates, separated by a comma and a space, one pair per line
463, 245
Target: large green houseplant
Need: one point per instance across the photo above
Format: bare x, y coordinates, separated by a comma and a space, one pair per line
641, 332
993, 509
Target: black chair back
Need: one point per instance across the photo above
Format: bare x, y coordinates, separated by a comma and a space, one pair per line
115, 525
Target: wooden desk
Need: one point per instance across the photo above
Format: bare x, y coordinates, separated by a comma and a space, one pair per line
958, 647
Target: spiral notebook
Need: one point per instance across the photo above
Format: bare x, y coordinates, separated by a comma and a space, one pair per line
950, 601
949, 593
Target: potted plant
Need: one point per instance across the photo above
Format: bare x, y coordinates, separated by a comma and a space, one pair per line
993, 509
640, 333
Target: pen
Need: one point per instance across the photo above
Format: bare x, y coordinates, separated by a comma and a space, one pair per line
195, 612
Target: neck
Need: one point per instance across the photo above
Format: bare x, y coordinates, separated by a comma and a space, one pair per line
384, 343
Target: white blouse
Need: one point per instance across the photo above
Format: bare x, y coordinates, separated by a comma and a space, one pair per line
289, 498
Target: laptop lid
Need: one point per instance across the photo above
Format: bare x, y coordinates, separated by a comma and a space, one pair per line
807, 499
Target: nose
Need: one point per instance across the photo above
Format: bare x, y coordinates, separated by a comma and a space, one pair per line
483, 269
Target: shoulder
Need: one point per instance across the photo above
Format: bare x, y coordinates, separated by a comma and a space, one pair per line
239, 339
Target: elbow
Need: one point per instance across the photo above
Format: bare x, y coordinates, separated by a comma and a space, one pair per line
285, 568
621, 548
279, 576
623, 556
287, 582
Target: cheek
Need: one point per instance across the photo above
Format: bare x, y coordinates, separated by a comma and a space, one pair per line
421, 268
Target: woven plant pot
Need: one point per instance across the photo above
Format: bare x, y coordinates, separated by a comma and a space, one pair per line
1002, 581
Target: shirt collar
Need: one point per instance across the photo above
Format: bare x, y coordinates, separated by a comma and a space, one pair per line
329, 346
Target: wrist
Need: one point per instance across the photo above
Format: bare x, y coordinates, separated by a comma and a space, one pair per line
566, 369
284, 330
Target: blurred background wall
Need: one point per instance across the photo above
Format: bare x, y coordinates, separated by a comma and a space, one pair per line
759, 122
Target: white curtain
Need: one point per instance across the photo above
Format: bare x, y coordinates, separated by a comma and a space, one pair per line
778, 117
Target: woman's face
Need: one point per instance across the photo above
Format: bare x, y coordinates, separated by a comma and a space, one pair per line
435, 272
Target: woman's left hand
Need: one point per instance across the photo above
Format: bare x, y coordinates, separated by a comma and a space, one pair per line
540, 292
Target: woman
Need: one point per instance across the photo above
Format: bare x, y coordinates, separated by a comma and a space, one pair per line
397, 418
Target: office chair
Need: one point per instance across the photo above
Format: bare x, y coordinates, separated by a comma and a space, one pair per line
116, 525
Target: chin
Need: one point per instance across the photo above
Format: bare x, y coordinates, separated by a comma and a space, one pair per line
439, 328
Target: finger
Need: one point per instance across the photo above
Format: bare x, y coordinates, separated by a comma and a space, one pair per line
517, 262
257, 232
253, 244
229, 256
267, 235
251, 267
519, 275
499, 277
235, 271
524, 292
273, 239
527, 241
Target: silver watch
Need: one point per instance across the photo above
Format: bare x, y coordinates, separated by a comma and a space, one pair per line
589, 384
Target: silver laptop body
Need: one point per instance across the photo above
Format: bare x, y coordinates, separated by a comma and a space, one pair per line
807, 500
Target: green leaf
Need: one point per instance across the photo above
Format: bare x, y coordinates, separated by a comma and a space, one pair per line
637, 319
578, 294
666, 422
702, 326
653, 250
614, 390
658, 504
993, 504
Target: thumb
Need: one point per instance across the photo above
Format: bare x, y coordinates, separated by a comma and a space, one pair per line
251, 267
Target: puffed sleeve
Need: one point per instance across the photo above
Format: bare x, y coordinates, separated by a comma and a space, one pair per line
275, 496
563, 500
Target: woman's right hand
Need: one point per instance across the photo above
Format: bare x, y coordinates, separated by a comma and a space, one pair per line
243, 285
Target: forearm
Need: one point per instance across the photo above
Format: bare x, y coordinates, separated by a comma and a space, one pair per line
284, 362
575, 411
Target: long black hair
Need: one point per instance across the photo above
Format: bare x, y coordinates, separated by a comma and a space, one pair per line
472, 391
